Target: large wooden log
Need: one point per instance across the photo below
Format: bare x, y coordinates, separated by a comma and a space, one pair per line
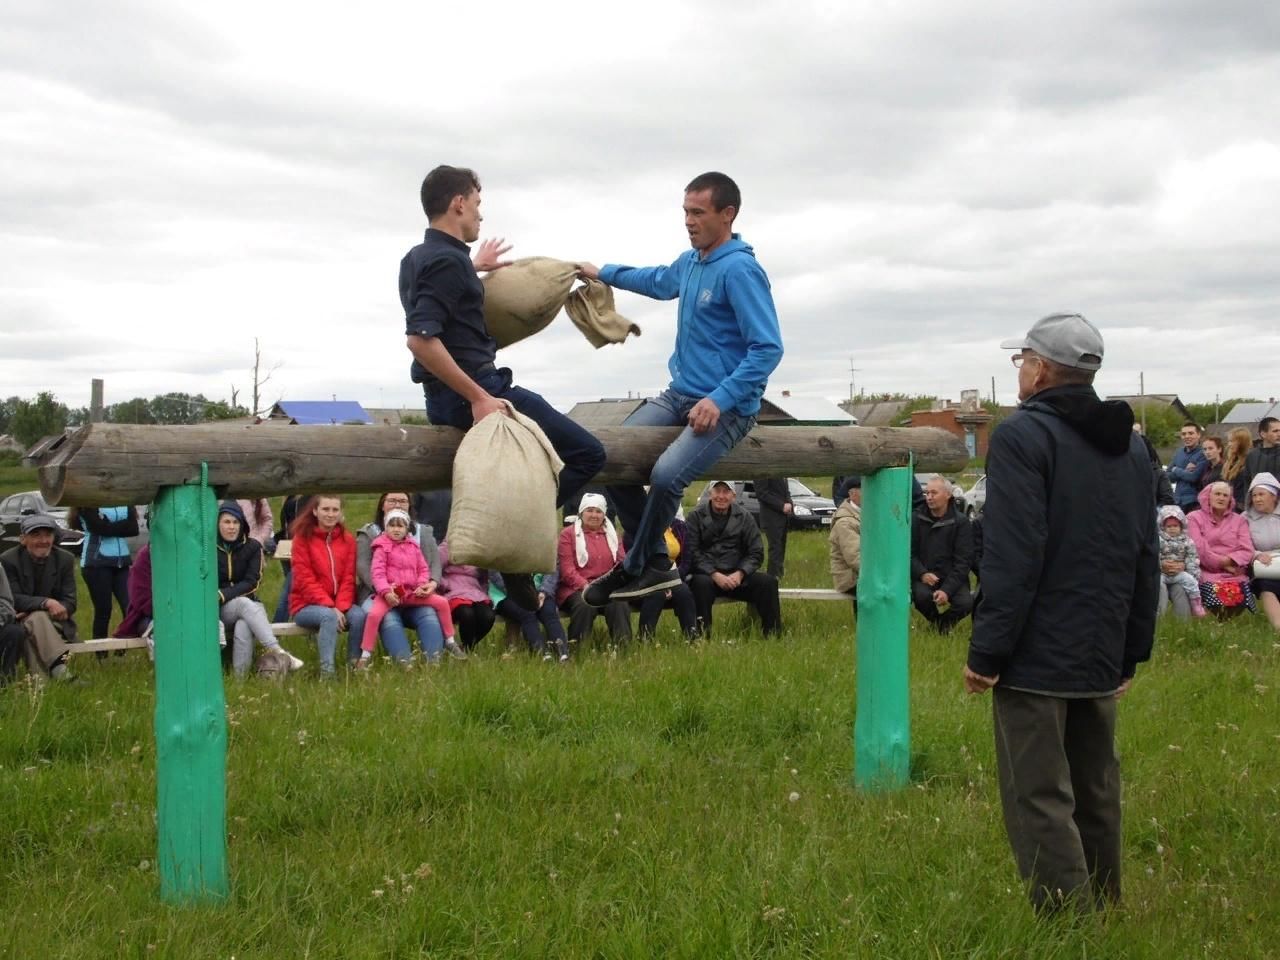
106, 463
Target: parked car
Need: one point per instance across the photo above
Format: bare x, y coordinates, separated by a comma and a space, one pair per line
975, 498
957, 492
809, 510
18, 505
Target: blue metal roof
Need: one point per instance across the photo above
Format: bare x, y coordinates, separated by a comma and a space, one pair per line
311, 412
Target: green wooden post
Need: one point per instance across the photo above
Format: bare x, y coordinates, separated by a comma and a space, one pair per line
191, 711
882, 727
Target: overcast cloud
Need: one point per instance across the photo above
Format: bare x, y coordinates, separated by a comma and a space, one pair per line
920, 181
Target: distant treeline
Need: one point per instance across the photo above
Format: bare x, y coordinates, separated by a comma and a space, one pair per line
29, 420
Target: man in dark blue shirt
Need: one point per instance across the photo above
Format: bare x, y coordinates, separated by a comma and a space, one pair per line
453, 354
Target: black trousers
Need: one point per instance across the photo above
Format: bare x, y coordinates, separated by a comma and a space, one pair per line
472, 622
759, 590
773, 525
105, 583
680, 603
1060, 792
532, 623
960, 607
13, 638
616, 613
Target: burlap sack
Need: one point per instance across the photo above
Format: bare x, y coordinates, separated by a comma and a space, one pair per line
504, 497
521, 299
590, 307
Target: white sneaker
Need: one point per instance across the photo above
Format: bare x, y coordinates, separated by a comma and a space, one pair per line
455, 651
295, 663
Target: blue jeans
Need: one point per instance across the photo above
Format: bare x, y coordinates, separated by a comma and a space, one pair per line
324, 621
646, 518
395, 641
582, 453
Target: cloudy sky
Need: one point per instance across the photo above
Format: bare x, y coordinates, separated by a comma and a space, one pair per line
920, 180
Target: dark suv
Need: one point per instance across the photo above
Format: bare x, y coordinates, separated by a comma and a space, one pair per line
18, 505
808, 509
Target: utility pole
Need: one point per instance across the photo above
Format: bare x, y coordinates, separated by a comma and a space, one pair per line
1142, 399
95, 401
993, 389
852, 370
1217, 414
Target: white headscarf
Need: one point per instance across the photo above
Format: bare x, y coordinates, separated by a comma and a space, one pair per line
579, 538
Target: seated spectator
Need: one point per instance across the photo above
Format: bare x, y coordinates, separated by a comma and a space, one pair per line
1179, 564
1234, 472
726, 550
239, 573
293, 504
1214, 452
322, 596
137, 619
1222, 540
1264, 531
13, 639
845, 546
941, 556
679, 599
104, 558
42, 580
588, 548
422, 619
467, 590
401, 580
534, 623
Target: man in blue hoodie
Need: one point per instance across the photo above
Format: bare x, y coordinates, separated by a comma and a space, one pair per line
1187, 468
727, 344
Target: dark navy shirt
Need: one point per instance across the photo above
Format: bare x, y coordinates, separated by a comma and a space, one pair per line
443, 297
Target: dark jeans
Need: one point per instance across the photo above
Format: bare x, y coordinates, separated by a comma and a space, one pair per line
105, 583
472, 623
773, 525
961, 606
582, 453
532, 623
581, 615
282, 605
680, 603
13, 639
1060, 792
759, 590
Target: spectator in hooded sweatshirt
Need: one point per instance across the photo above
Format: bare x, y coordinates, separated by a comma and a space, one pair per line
323, 594
1187, 468
1264, 458
141, 612
239, 573
727, 344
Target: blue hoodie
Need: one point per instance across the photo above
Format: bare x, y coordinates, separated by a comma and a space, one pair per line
727, 336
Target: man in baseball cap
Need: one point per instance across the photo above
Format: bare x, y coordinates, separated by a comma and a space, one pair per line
1070, 505
43, 583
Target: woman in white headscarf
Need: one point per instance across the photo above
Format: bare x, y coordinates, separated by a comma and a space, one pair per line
1264, 531
588, 549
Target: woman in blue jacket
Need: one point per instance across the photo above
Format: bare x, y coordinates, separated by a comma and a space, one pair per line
104, 558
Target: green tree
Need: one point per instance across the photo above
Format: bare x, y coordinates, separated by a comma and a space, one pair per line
136, 410
32, 420
7, 407
1207, 413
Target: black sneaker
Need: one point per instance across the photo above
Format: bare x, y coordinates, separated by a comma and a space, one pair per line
521, 591
601, 589
650, 581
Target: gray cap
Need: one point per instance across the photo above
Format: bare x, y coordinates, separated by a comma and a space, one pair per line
38, 521
1065, 338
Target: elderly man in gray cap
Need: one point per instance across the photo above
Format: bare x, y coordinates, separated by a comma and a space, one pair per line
42, 580
1067, 611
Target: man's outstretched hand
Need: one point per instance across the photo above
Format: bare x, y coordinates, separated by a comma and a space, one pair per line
489, 256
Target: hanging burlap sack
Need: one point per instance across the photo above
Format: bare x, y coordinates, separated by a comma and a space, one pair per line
504, 517
590, 307
521, 299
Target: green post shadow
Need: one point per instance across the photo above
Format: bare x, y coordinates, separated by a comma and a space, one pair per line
191, 711
882, 725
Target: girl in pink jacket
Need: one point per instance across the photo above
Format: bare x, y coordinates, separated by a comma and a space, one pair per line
400, 576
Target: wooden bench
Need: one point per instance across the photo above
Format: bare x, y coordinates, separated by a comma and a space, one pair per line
288, 629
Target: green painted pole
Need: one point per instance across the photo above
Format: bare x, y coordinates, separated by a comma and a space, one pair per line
882, 726
191, 711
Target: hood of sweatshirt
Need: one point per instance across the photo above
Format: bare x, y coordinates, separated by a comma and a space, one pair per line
1107, 425
233, 508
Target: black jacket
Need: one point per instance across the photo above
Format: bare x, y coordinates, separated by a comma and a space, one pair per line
1069, 565
942, 546
737, 547
32, 583
1256, 461
239, 561
773, 494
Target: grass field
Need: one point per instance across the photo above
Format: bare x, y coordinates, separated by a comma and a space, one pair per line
669, 802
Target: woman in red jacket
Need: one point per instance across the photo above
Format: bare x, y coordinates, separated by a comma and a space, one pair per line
322, 596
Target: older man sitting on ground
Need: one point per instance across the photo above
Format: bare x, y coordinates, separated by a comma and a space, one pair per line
42, 580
